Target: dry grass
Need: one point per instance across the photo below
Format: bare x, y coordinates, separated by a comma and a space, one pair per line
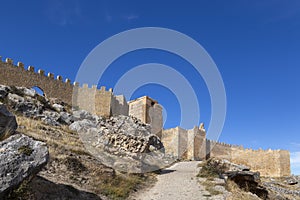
5, 135
70, 162
237, 193
210, 187
209, 172
210, 169
60, 136
121, 186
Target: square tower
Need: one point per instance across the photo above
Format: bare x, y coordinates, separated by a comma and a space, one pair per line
148, 111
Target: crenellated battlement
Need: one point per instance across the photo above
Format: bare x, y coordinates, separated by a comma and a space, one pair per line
212, 142
31, 69
55, 86
185, 144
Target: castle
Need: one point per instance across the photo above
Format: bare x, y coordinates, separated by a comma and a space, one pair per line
183, 144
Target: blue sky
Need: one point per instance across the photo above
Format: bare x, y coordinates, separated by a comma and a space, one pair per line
255, 45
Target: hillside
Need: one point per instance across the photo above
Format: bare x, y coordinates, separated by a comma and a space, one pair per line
71, 172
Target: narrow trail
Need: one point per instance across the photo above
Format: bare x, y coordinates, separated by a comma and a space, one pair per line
176, 182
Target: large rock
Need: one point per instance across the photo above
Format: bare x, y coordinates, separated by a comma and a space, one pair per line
229, 166
4, 91
248, 181
20, 157
8, 123
121, 142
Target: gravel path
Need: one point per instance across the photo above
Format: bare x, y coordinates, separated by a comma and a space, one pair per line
176, 182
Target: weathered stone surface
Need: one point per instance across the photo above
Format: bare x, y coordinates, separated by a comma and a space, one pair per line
8, 123
26, 105
122, 142
229, 166
249, 181
58, 107
293, 180
20, 157
3, 91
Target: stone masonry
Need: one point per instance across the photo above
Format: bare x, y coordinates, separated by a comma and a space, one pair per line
180, 143
148, 111
100, 102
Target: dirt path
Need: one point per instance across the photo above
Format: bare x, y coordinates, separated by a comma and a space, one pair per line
176, 182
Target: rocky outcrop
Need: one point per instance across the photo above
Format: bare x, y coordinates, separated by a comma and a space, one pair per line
121, 142
20, 158
8, 123
229, 166
30, 104
248, 181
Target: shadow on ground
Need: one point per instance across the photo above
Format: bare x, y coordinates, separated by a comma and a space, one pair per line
167, 171
44, 189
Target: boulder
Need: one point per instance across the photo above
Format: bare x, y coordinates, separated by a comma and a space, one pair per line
26, 105
4, 91
229, 166
121, 142
66, 118
292, 180
58, 107
248, 181
20, 158
8, 123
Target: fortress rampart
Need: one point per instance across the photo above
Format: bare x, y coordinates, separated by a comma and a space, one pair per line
100, 102
180, 143
275, 163
193, 145
185, 144
16, 75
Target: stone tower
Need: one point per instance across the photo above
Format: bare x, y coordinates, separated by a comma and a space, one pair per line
148, 111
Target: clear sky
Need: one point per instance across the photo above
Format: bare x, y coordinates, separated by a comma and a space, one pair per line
255, 45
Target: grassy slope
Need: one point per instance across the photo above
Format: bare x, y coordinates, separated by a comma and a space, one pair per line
71, 165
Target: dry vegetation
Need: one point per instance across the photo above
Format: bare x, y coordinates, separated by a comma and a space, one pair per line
71, 165
209, 172
237, 193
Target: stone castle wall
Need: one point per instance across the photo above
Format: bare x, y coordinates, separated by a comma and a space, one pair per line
193, 145
185, 144
18, 76
148, 111
196, 144
93, 100
274, 163
181, 143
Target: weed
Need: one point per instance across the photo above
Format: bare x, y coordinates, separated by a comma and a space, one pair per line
120, 186
26, 150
